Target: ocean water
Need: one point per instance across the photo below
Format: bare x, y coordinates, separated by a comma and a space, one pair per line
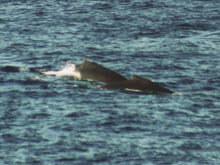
61, 121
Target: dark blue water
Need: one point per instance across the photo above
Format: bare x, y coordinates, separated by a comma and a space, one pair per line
51, 120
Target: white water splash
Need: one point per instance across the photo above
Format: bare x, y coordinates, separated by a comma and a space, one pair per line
69, 70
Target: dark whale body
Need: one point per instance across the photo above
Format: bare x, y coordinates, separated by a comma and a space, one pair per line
92, 71
14, 69
9, 69
138, 84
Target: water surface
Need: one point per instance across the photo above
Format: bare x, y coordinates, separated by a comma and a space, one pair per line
51, 120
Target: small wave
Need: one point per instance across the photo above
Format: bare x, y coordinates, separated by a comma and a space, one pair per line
33, 81
190, 146
49, 53
28, 81
76, 114
39, 115
102, 6
65, 160
209, 35
178, 94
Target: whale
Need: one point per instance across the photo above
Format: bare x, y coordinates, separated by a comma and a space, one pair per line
138, 84
88, 71
91, 71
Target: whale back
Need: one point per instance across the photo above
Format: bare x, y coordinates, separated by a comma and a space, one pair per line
94, 72
139, 84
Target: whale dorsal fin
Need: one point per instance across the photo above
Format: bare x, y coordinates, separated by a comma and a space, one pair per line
88, 64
